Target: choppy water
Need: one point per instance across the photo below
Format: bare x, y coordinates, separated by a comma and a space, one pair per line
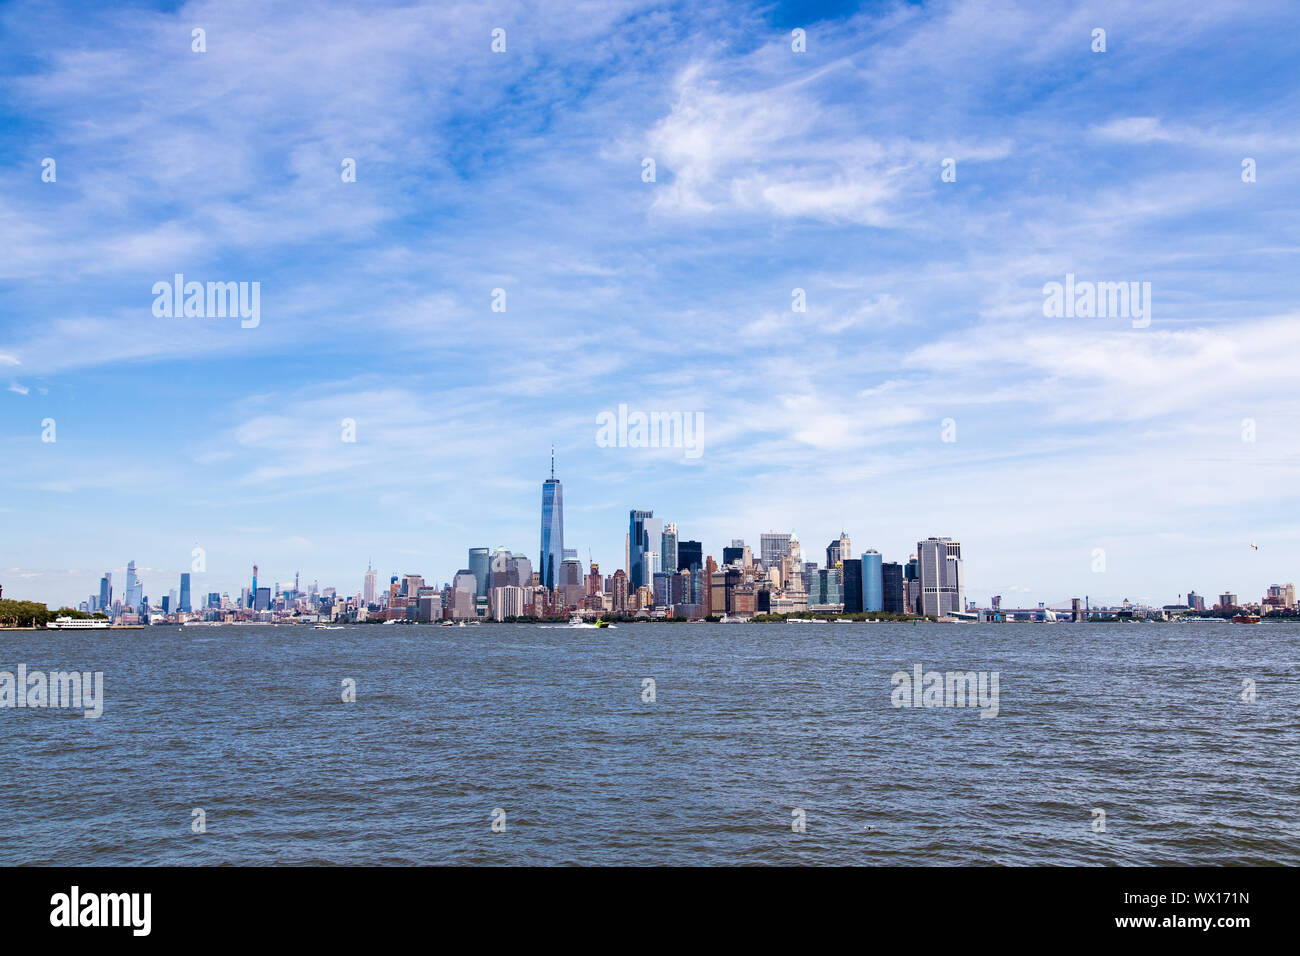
749, 723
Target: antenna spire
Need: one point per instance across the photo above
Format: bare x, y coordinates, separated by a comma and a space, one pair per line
552, 461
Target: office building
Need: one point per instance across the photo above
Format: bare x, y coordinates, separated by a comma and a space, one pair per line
940, 572
893, 595
851, 574
552, 549
638, 570
872, 584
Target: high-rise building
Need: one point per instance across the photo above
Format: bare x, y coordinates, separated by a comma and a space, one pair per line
262, 599
668, 549
939, 563
772, 547
134, 589
838, 550
368, 591
480, 565
892, 599
851, 572
872, 583
184, 606
824, 590
106, 591
619, 590
252, 592
552, 551
638, 544
690, 557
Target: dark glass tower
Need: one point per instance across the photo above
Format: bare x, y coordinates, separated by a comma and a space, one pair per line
552, 558
638, 546
184, 604
891, 576
690, 557
852, 568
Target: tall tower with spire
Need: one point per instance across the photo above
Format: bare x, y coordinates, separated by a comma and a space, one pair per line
552, 556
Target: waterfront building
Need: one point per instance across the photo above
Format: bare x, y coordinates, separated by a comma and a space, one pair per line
893, 599
638, 545
940, 572
851, 572
480, 565
825, 595
507, 601
619, 590
552, 547
873, 598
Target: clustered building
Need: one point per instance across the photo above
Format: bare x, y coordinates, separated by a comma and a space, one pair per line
663, 576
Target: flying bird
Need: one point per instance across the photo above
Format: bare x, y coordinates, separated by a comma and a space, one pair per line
1254, 545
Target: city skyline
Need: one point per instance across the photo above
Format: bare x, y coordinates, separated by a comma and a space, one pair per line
865, 593
866, 339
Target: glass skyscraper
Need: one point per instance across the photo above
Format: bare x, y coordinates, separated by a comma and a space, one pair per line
480, 564
873, 591
548, 568
852, 574
638, 544
184, 605
891, 576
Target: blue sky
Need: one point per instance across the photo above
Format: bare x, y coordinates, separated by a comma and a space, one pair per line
775, 170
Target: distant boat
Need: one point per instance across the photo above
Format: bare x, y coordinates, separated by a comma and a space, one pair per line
77, 624
327, 627
446, 624
1246, 619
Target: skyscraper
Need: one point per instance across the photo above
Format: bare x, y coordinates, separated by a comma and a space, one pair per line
690, 557
892, 593
873, 589
638, 545
773, 547
106, 591
133, 587
548, 567
668, 549
939, 562
368, 592
184, 605
480, 565
852, 574
838, 550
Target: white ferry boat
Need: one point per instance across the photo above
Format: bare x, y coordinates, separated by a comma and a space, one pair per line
78, 624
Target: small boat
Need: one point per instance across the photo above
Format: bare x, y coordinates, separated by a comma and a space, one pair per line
1246, 619
446, 624
327, 627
